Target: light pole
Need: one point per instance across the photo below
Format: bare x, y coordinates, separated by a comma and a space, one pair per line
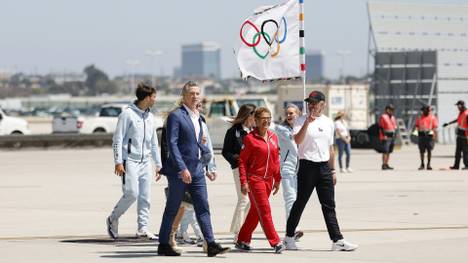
132, 63
153, 53
342, 54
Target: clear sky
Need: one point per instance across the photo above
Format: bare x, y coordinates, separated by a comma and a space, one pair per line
58, 35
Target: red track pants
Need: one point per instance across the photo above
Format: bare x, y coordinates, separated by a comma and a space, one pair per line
260, 190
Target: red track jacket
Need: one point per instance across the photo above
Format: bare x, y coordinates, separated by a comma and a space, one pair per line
259, 158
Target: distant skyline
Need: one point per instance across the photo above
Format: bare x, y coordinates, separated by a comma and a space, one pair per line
65, 36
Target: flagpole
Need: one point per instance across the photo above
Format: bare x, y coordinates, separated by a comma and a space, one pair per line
302, 51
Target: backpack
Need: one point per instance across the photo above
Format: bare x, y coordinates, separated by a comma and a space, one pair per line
373, 132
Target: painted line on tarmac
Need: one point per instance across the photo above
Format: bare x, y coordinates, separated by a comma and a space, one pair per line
126, 238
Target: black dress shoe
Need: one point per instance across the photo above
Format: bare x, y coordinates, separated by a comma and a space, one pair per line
454, 168
167, 250
215, 249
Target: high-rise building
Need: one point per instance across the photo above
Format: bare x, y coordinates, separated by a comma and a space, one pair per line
314, 62
201, 60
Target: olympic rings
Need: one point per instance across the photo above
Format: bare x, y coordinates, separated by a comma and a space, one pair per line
242, 37
259, 34
285, 31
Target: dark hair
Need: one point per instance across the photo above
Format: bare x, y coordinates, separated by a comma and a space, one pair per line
143, 90
260, 110
244, 112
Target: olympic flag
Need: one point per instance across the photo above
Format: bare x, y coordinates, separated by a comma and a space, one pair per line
270, 44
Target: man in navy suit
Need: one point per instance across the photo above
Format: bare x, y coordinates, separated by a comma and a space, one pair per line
185, 170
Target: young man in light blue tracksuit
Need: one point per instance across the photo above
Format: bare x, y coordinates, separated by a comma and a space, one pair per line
134, 143
288, 156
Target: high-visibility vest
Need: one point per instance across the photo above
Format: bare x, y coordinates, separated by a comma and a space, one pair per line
462, 123
427, 124
387, 124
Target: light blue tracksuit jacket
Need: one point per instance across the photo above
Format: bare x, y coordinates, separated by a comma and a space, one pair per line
135, 141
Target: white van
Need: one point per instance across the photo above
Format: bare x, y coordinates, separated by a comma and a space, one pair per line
12, 125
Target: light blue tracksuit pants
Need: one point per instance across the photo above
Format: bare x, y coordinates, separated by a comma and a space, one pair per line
135, 186
289, 182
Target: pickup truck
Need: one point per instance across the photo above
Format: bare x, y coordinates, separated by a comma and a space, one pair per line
104, 122
13, 126
220, 112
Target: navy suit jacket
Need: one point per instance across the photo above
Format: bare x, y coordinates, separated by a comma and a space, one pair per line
183, 146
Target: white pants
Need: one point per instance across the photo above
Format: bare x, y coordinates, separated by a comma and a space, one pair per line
289, 182
189, 219
135, 186
242, 206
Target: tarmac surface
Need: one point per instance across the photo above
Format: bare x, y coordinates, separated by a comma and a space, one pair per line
53, 206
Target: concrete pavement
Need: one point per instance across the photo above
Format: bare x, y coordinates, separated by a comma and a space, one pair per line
53, 205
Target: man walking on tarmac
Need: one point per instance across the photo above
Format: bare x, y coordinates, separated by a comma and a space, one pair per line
387, 132
313, 135
134, 142
426, 125
462, 136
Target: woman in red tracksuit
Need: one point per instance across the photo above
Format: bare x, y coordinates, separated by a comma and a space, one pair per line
259, 170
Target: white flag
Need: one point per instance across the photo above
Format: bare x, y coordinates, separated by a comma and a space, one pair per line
269, 46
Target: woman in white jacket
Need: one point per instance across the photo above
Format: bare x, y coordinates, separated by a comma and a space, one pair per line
343, 141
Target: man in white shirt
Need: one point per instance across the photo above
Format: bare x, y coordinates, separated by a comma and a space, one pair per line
313, 134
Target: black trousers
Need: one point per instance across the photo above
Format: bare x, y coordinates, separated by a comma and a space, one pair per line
462, 146
315, 175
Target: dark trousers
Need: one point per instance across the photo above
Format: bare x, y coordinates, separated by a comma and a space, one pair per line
198, 191
462, 146
315, 175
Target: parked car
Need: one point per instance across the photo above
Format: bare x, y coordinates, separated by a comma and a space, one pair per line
12, 125
219, 114
104, 122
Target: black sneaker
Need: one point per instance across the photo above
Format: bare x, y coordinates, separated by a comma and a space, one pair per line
242, 246
429, 167
421, 167
454, 168
279, 248
215, 249
167, 250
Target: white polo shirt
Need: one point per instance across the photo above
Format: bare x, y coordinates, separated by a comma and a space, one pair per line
319, 137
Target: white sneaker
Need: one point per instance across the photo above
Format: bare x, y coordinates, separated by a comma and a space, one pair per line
145, 233
343, 245
112, 228
342, 170
290, 243
349, 170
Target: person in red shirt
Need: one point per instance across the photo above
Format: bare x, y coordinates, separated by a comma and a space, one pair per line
387, 132
462, 136
259, 174
426, 125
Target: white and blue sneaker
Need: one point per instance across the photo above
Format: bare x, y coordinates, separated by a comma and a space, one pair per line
290, 243
144, 233
343, 245
112, 228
